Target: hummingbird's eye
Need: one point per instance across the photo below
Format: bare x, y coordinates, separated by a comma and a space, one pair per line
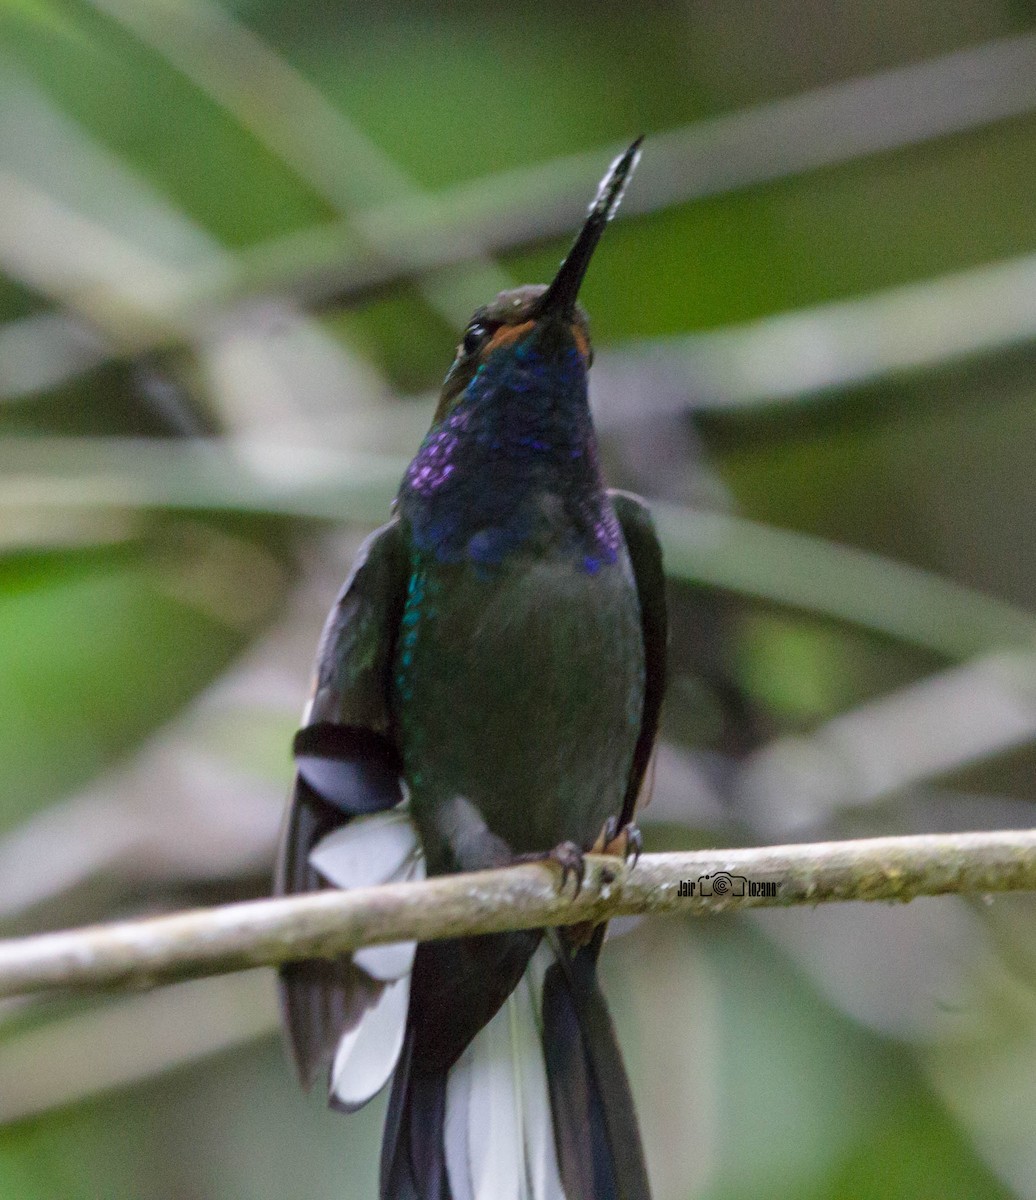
475, 336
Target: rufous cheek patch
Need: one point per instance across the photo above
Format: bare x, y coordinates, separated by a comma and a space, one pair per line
506, 335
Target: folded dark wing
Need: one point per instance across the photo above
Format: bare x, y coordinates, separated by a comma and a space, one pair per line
645, 553
347, 765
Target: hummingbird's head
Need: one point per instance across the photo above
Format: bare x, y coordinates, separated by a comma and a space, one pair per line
544, 318
511, 455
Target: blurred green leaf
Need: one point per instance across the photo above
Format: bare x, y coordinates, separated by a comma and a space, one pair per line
96, 648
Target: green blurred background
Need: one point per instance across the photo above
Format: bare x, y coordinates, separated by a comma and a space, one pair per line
237, 244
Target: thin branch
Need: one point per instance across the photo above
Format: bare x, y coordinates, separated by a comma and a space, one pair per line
325, 924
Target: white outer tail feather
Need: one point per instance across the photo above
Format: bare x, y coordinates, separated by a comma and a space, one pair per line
381, 848
367, 1054
498, 1129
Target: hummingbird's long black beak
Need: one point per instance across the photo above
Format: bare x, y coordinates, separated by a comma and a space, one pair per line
560, 298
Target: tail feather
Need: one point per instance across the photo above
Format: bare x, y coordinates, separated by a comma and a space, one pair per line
413, 1165
537, 1107
499, 1136
581, 1148
396, 1176
541, 1157
368, 1052
456, 1129
613, 1098
595, 1122
348, 1013
377, 849
319, 998
534, 1106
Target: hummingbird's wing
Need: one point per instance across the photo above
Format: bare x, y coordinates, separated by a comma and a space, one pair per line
347, 766
638, 528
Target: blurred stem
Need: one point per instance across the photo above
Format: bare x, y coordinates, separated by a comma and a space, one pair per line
279, 106
830, 579
329, 923
719, 155
81, 1054
938, 725
415, 235
794, 355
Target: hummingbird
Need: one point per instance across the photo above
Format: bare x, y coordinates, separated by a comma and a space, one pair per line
488, 687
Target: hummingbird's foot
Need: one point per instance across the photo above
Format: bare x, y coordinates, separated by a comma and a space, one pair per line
568, 856
606, 836
626, 843
634, 844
